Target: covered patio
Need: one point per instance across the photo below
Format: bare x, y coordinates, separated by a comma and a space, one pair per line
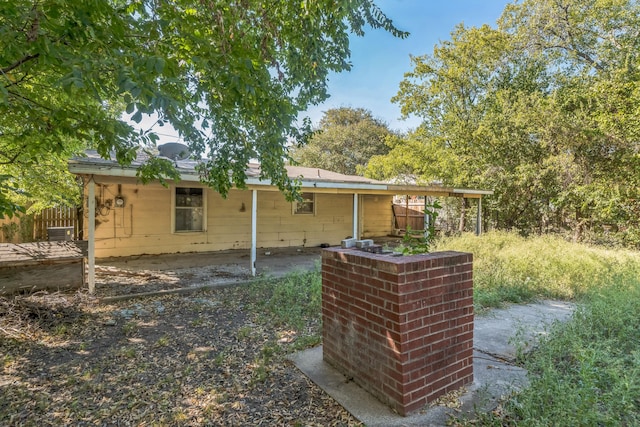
334, 207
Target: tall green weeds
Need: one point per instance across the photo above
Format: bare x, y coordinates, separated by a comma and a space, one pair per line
509, 268
587, 371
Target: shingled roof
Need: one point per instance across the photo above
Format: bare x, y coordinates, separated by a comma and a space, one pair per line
92, 164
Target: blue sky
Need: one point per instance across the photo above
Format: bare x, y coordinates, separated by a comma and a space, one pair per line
379, 61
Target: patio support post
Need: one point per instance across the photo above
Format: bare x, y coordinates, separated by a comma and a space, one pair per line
355, 216
427, 219
406, 214
479, 218
92, 235
254, 229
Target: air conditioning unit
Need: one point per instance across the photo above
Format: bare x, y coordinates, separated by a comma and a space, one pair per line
60, 233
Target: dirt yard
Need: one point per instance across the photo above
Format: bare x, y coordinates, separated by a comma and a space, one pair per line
117, 277
204, 358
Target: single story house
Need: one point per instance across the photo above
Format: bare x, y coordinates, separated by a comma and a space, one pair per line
126, 217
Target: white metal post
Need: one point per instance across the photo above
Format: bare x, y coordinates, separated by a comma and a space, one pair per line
427, 219
355, 216
479, 218
254, 229
92, 235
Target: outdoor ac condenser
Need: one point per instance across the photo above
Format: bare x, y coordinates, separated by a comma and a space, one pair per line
60, 233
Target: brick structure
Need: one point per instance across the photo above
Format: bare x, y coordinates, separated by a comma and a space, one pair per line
400, 327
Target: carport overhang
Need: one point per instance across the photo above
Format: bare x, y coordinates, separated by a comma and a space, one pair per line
355, 186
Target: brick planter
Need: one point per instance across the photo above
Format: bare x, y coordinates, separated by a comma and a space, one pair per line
400, 327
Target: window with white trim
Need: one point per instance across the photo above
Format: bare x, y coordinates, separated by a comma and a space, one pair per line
307, 206
189, 209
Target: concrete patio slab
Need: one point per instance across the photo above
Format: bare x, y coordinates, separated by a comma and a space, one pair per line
497, 336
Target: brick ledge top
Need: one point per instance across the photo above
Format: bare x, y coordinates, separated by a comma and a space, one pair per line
403, 259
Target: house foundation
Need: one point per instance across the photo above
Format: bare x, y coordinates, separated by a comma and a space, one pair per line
400, 327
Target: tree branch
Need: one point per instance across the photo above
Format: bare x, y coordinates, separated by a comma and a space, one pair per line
12, 158
17, 95
19, 62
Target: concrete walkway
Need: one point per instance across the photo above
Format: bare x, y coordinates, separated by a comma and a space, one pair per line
498, 335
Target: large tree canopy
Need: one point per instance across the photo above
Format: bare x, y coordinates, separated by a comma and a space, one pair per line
231, 76
345, 141
543, 109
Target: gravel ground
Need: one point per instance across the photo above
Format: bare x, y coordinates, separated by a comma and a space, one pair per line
205, 358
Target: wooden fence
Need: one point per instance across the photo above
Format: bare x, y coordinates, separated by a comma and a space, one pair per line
414, 217
33, 228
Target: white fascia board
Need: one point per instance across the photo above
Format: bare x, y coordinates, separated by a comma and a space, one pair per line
467, 191
117, 171
343, 185
324, 184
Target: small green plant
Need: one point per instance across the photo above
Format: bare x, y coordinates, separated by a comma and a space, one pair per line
244, 332
260, 372
7, 360
413, 244
60, 330
220, 358
127, 352
162, 341
129, 328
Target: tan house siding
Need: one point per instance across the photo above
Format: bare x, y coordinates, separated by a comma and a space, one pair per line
144, 224
228, 220
377, 216
278, 226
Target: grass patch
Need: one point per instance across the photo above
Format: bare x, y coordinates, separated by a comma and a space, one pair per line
587, 372
513, 269
293, 302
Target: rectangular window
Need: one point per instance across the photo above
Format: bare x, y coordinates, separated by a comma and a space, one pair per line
189, 213
307, 206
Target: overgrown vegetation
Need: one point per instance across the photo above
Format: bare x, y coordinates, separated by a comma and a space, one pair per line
509, 268
587, 371
413, 244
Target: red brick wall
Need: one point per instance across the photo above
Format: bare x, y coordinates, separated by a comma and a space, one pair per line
400, 327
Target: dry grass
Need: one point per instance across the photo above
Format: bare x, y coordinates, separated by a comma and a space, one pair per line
210, 358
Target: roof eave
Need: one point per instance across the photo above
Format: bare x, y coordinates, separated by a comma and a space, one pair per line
84, 168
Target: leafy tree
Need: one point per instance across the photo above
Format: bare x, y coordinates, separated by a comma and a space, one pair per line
347, 138
231, 76
542, 109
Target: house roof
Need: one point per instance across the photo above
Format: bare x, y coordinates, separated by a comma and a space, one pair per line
321, 180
